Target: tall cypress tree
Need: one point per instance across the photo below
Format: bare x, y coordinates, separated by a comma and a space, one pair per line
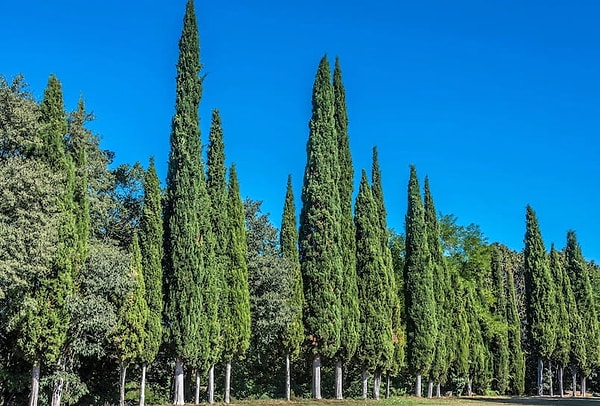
563, 333
421, 323
515, 351
320, 236
288, 241
441, 288
151, 237
539, 293
376, 348
499, 336
184, 316
348, 290
577, 270
236, 329
391, 286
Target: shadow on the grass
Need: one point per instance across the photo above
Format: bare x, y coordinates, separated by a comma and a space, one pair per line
554, 401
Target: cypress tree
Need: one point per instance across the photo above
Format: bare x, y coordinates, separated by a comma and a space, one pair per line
478, 354
319, 236
539, 293
129, 335
515, 351
184, 317
391, 286
151, 236
577, 270
348, 290
421, 323
236, 329
376, 348
441, 287
499, 337
288, 241
563, 333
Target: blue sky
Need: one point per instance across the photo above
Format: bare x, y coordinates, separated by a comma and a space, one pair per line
497, 102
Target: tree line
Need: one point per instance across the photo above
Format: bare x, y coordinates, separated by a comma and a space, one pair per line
103, 272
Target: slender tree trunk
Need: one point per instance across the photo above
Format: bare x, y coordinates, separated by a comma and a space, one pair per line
339, 391
430, 388
418, 386
583, 388
388, 386
376, 383
197, 388
143, 386
560, 381
540, 376
178, 398
365, 378
58, 384
316, 381
35, 384
227, 381
551, 378
211, 385
288, 377
574, 381
438, 390
469, 386
122, 383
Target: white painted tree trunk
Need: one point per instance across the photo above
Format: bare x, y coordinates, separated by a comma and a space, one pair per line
316, 381
388, 386
365, 380
574, 381
339, 391
430, 388
418, 386
211, 385
122, 385
560, 381
540, 377
583, 386
227, 381
376, 384
469, 386
288, 377
57, 392
551, 378
35, 384
143, 386
178, 398
438, 390
197, 389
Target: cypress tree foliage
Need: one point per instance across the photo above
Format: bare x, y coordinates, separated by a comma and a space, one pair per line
319, 236
376, 348
421, 322
499, 339
478, 353
151, 237
348, 290
236, 326
540, 300
577, 270
516, 357
293, 334
391, 286
184, 266
129, 335
563, 332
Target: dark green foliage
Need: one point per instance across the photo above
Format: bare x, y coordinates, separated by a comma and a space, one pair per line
499, 340
349, 336
563, 334
54, 124
236, 325
421, 323
539, 286
515, 351
319, 237
184, 267
288, 241
577, 270
151, 238
376, 348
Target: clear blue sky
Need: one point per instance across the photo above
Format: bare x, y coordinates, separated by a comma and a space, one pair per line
497, 101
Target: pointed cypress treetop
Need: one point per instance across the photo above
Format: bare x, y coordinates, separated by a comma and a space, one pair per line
54, 119
216, 182
288, 237
563, 334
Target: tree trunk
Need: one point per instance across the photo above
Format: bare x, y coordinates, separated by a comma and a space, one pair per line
376, 383
35, 384
178, 398
418, 386
438, 390
122, 383
540, 377
574, 381
339, 391
316, 381
197, 389
387, 386
583, 388
227, 381
143, 386
288, 377
211, 385
469, 386
551, 378
365, 377
560, 381
430, 388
